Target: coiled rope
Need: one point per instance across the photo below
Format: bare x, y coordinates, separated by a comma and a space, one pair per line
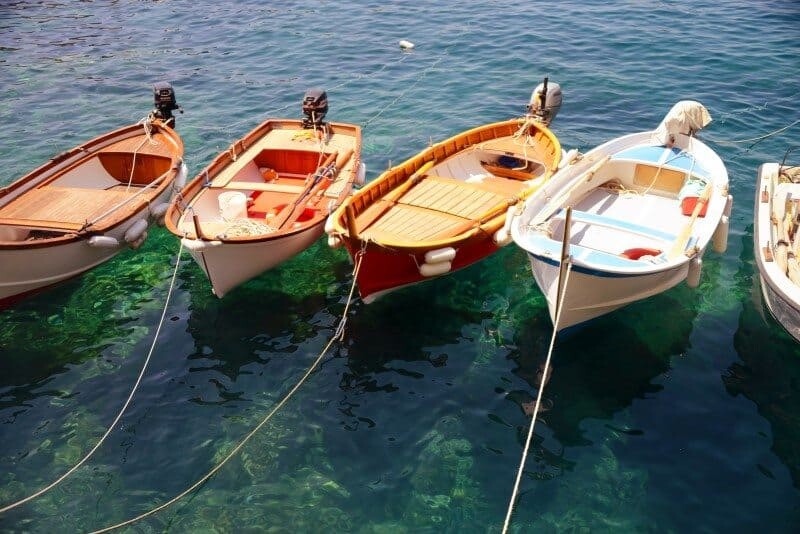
545, 374
124, 406
338, 334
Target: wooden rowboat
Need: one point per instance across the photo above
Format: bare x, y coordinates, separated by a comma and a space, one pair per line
446, 207
644, 208
776, 239
86, 205
266, 198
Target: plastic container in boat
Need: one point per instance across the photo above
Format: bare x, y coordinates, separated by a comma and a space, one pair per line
233, 205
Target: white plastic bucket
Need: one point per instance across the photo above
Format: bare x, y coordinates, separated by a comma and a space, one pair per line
233, 205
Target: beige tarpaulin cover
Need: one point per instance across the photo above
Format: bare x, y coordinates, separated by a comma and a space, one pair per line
686, 117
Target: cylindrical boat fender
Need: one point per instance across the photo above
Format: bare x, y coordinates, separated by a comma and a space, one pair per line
361, 175
138, 243
329, 224
135, 231
720, 237
103, 241
180, 179
502, 237
695, 268
334, 241
567, 157
440, 255
199, 245
158, 211
434, 269
728, 206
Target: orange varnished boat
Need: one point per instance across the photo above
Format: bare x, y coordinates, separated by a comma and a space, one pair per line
86, 205
266, 199
444, 208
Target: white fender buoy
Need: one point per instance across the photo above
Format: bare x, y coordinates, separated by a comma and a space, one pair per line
695, 268
567, 158
361, 175
135, 231
720, 237
103, 241
440, 255
728, 206
502, 237
199, 245
329, 224
138, 243
180, 179
158, 211
406, 45
434, 269
334, 241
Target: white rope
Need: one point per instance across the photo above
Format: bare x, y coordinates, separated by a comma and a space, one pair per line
124, 406
148, 129
339, 333
538, 399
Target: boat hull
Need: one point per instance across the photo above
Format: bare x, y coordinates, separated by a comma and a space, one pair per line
781, 295
591, 293
83, 207
228, 265
384, 270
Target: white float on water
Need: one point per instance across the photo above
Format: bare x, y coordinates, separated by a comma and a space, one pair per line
406, 45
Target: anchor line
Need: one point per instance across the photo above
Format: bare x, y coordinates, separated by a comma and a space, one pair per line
124, 406
538, 399
338, 335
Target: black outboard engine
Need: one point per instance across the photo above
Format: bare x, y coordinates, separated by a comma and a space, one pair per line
315, 106
164, 101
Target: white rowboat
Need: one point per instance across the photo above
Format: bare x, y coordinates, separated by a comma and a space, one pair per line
644, 208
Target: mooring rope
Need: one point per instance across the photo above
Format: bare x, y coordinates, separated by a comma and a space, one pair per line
124, 406
338, 334
754, 140
545, 374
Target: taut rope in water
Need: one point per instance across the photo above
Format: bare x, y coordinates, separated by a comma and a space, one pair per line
124, 406
545, 374
339, 334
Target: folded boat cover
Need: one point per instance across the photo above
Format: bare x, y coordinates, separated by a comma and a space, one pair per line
686, 117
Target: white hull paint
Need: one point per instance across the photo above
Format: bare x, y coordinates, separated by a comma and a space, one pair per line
781, 296
229, 264
28, 269
599, 295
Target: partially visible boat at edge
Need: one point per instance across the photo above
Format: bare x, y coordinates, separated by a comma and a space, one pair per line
266, 198
644, 208
446, 207
776, 241
87, 204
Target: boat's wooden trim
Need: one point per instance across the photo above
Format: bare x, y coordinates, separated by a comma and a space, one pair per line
343, 137
266, 187
509, 137
67, 208
654, 177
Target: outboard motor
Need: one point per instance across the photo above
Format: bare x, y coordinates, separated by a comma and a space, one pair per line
315, 106
165, 103
545, 102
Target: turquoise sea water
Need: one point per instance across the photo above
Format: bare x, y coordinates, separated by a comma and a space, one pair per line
677, 414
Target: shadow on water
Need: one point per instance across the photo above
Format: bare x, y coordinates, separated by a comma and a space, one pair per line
769, 371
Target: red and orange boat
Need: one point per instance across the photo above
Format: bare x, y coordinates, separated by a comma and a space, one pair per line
447, 207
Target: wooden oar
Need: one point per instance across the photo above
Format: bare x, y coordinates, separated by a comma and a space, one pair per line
390, 199
314, 179
683, 237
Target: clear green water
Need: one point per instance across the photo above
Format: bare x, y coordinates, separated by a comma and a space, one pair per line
677, 414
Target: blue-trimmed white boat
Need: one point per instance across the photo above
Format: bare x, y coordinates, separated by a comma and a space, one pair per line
644, 208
